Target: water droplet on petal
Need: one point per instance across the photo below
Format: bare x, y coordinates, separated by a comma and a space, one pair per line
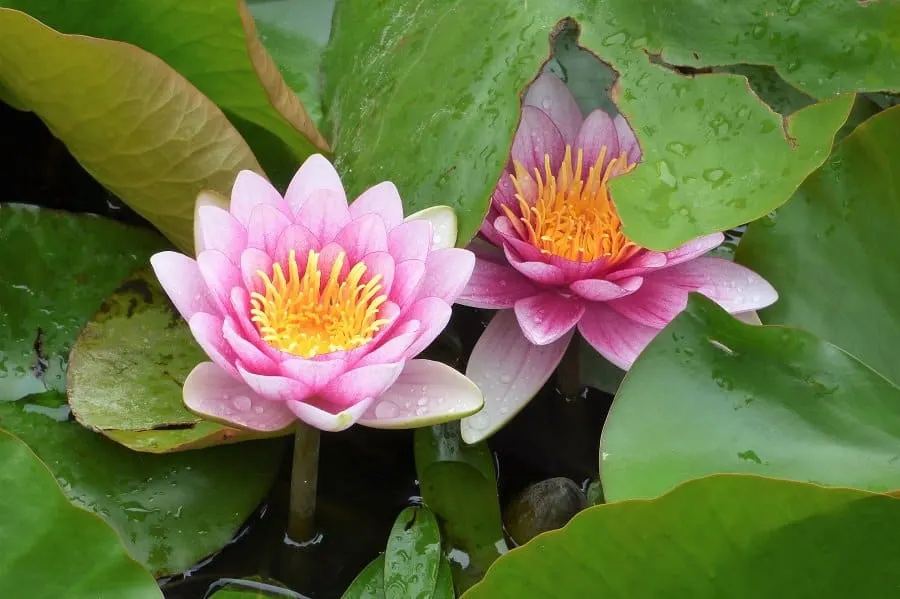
423, 400
506, 379
241, 403
386, 409
259, 409
479, 421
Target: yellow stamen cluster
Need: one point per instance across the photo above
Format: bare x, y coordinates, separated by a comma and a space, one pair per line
304, 317
572, 216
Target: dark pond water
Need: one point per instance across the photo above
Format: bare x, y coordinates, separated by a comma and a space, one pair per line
366, 476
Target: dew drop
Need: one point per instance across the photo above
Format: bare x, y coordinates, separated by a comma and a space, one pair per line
386, 409
423, 401
259, 409
478, 421
506, 379
421, 411
241, 403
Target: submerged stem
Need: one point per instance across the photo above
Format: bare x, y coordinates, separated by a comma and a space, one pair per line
304, 482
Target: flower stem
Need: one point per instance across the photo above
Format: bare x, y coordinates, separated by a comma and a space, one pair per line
304, 482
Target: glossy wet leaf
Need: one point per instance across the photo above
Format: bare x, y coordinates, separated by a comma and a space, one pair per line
458, 483
295, 34
712, 394
741, 537
413, 555
369, 583
89, 561
170, 511
443, 588
724, 159
139, 128
210, 43
127, 368
828, 251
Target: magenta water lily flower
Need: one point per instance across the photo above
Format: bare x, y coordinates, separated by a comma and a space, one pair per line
557, 259
312, 309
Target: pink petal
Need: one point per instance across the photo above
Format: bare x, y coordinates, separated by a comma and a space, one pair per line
495, 286
207, 330
596, 132
732, 286
265, 228
314, 175
274, 387
250, 355
644, 262
407, 277
218, 230
655, 304
536, 137
425, 393
575, 271
327, 421
551, 95
382, 199
524, 250
380, 263
360, 384
433, 314
627, 141
509, 370
600, 290
539, 272
693, 249
444, 225
213, 393
446, 273
614, 336
546, 317
221, 276
313, 374
396, 348
324, 214
363, 236
251, 190
254, 261
240, 305
297, 238
485, 250
181, 280
410, 240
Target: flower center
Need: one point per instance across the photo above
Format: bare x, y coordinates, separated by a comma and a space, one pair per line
572, 216
307, 316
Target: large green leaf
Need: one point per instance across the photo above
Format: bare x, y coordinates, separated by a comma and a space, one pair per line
715, 154
834, 235
134, 123
413, 555
127, 368
369, 583
55, 270
214, 45
459, 485
40, 526
740, 537
712, 394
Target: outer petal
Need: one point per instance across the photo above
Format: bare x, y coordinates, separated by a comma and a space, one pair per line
434, 314
360, 384
251, 190
410, 240
207, 330
363, 236
206, 198
253, 358
600, 290
693, 249
396, 348
732, 286
181, 279
273, 387
644, 262
213, 393
446, 273
627, 141
325, 214
495, 286
596, 132
655, 304
266, 226
536, 137
221, 276
509, 370
315, 174
216, 229
407, 278
382, 199
551, 95
326, 421
425, 393
444, 225
546, 317
617, 338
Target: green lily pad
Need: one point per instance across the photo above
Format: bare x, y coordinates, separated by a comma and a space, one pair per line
136, 125
170, 510
458, 483
832, 236
215, 47
725, 158
127, 369
369, 583
741, 537
711, 394
413, 555
38, 521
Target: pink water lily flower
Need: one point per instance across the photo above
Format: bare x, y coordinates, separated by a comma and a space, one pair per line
312, 309
556, 259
